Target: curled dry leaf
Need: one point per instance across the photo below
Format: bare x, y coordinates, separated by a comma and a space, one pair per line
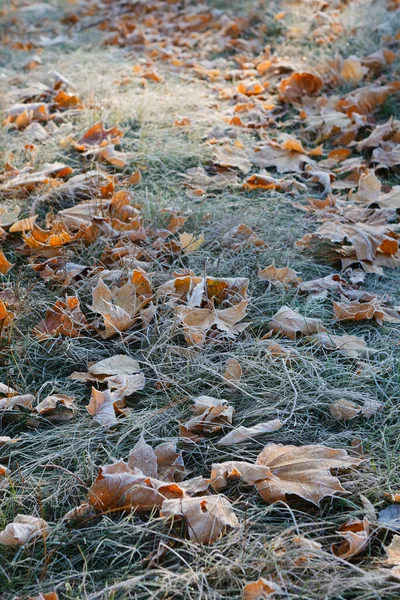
356, 536
291, 323
120, 372
197, 322
298, 85
282, 276
211, 414
244, 434
101, 407
285, 470
57, 408
23, 529
344, 410
5, 264
64, 318
207, 517
260, 589
364, 311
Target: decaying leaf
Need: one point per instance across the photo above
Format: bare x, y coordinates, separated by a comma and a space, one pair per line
101, 407
64, 318
365, 311
261, 589
291, 323
57, 408
211, 414
197, 322
233, 371
356, 536
353, 346
206, 516
23, 529
281, 276
393, 555
244, 434
285, 470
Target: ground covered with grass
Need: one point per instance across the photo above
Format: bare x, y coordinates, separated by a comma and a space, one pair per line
211, 192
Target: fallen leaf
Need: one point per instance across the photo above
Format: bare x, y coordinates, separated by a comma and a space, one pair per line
284, 470
64, 318
211, 414
299, 85
5, 264
282, 276
23, 529
233, 371
260, 589
393, 555
356, 536
291, 323
207, 517
352, 346
101, 407
244, 434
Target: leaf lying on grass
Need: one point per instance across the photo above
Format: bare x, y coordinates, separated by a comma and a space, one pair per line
211, 414
23, 529
243, 434
260, 589
356, 536
285, 470
206, 516
291, 323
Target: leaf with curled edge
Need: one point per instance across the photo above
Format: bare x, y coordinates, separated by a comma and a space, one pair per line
23, 529
285, 470
206, 516
291, 323
101, 407
356, 535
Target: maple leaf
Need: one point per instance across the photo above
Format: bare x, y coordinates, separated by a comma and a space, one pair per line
23, 529
280, 470
281, 276
291, 323
206, 516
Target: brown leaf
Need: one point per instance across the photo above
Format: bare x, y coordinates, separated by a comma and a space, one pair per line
260, 589
23, 529
206, 516
245, 434
232, 156
298, 85
363, 311
280, 470
211, 414
356, 536
5, 264
233, 371
101, 407
352, 346
57, 408
64, 318
291, 323
344, 410
283, 276
143, 457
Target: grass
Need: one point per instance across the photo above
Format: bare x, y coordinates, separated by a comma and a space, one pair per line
108, 557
